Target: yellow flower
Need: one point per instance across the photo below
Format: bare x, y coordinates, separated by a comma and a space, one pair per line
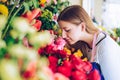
59, 31
42, 1
85, 59
78, 53
3, 10
67, 50
102, 28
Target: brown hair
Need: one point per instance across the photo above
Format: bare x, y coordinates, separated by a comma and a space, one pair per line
84, 47
76, 14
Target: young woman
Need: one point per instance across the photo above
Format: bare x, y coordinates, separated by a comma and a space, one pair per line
77, 26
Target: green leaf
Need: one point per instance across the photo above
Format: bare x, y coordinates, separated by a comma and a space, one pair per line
118, 32
26, 6
2, 52
35, 3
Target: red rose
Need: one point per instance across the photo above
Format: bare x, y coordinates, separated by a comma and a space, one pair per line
84, 66
53, 67
65, 71
94, 75
40, 50
37, 25
53, 63
49, 49
77, 62
27, 74
87, 66
53, 60
67, 64
30, 15
78, 75
62, 53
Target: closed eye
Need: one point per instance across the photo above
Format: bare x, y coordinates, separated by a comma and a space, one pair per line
68, 30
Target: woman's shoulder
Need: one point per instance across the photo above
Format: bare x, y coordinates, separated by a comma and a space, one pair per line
106, 44
104, 38
100, 37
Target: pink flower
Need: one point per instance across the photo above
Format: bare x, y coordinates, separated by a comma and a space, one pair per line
55, 2
48, 1
25, 42
55, 17
60, 43
48, 73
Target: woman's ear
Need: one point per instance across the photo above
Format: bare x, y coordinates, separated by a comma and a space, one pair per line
83, 26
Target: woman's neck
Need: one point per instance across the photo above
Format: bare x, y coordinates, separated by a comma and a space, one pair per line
89, 38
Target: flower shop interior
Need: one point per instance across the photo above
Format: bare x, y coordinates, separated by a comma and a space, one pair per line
31, 46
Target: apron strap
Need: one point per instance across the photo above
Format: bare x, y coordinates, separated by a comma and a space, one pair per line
94, 45
93, 48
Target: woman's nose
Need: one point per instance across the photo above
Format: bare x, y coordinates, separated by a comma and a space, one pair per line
63, 34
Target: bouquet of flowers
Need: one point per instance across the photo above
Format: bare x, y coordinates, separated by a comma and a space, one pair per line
71, 65
31, 47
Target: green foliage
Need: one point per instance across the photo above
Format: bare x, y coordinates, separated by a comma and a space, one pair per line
56, 8
2, 52
47, 22
20, 7
30, 4
118, 32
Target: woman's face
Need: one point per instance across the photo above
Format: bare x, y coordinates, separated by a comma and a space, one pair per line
70, 32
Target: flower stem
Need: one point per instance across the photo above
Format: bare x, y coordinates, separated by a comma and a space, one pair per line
10, 18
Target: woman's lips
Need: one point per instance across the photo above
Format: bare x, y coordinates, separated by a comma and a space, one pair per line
68, 40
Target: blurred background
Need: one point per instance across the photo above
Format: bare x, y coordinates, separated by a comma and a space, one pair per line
104, 12
31, 47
